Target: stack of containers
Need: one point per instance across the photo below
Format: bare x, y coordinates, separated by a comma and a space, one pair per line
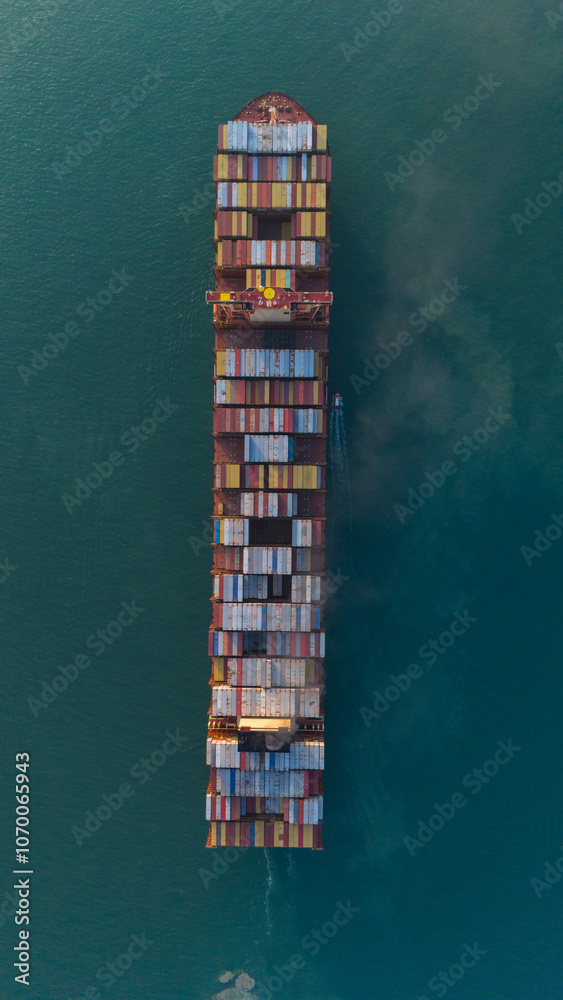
265, 746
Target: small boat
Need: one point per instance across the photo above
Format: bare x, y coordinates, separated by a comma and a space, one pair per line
337, 403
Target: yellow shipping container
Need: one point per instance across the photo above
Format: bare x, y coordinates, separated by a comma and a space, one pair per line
278, 833
259, 833
222, 167
308, 835
214, 834
218, 669
232, 475
321, 137
240, 167
220, 254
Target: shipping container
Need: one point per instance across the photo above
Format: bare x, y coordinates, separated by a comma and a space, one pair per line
268, 504
272, 703
266, 617
301, 167
262, 137
271, 254
236, 643
275, 420
230, 391
277, 195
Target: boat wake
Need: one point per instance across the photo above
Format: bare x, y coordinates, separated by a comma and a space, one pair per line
269, 890
341, 493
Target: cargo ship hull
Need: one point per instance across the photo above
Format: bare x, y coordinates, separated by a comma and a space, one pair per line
271, 301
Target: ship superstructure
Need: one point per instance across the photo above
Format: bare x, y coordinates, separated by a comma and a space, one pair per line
265, 741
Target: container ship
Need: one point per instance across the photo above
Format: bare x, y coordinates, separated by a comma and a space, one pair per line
265, 743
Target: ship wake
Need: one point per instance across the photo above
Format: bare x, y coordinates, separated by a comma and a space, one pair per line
341, 493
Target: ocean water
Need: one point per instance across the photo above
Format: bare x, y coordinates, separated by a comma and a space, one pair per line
110, 124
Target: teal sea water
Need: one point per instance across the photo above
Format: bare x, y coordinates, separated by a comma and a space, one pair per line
149, 83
